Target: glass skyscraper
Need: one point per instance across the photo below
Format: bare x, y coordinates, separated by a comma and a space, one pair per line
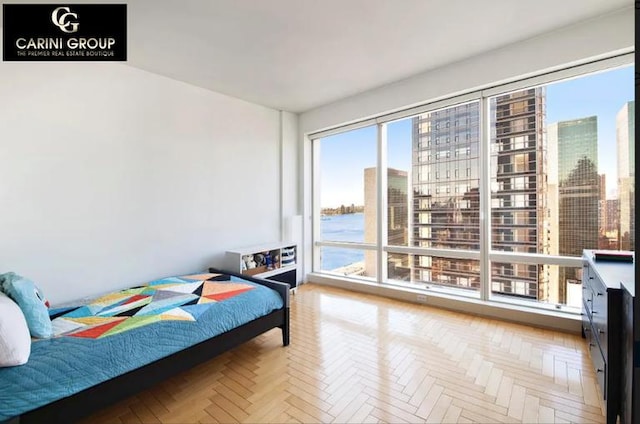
625, 140
520, 198
445, 193
578, 191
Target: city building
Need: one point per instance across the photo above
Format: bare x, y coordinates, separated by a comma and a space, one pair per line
522, 197
445, 193
603, 242
446, 201
612, 223
397, 219
579, 192
613, 215
625, 141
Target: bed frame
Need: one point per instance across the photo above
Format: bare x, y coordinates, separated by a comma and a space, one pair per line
91, 400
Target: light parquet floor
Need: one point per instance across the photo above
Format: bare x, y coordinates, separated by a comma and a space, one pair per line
357, 358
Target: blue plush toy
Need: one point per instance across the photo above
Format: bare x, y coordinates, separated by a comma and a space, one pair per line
31, 301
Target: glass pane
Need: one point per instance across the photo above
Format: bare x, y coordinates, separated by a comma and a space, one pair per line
433, 191
433, 179
399, 198
562, 175
348, 262
455, 273
348, 186
445, 179
399, 267
518, 208
552, 284
432, 271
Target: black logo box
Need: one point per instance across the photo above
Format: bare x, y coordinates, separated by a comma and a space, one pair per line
33, 21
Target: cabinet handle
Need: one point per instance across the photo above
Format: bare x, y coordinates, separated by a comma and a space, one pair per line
592, 345
600, 331
599, 370
598, 294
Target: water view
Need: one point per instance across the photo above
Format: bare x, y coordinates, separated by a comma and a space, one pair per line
346, 227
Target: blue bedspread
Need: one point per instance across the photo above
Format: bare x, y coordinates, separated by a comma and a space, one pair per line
138, 331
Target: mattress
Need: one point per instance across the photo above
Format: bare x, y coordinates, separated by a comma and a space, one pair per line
125, 330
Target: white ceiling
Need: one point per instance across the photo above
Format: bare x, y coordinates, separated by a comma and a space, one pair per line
298, 54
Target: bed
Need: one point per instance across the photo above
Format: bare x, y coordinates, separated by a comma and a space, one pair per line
124, 342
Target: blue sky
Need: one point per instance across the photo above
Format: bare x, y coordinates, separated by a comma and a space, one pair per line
345, 156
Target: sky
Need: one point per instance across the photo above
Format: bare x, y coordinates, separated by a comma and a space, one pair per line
344, 156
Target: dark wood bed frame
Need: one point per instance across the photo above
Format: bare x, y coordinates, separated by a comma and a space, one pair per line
91, 400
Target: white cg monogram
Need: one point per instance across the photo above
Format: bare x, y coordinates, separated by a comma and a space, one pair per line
61, 19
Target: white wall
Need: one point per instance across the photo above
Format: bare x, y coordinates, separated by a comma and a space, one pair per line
575, 44
290, 165
111, 176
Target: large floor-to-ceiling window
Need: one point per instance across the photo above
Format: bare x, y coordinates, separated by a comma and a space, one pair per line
493, 194
346, 170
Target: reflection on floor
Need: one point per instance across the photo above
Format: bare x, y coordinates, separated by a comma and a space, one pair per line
360, 358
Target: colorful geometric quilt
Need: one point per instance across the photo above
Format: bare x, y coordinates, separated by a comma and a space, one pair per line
182, 298
95, 345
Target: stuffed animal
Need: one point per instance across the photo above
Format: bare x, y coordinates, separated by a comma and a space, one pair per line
249, 262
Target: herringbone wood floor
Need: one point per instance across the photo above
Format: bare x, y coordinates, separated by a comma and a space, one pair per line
359, 358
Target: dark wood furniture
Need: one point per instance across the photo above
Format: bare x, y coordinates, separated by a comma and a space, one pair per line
88, 401
602, 324
630, 393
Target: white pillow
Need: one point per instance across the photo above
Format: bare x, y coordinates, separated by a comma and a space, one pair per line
15, 340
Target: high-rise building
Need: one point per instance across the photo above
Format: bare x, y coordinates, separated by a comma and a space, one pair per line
625, 141
612, 224
446, 192
579, 191
521, 202
397, 219
613, 215
603, 241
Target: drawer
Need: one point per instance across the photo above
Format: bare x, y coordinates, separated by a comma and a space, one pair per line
599, 305
587, 300
599, 365
600, 333
586, 327
587, 330
587, 276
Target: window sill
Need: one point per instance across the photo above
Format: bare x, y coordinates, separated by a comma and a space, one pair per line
542, 318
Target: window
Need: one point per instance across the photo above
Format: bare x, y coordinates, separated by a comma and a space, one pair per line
449, 218
347, 199
559, 159
554, 159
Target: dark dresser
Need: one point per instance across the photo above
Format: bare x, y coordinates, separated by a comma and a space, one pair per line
629, 396
602, 324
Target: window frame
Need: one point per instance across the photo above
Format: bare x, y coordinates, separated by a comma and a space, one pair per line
485, 255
